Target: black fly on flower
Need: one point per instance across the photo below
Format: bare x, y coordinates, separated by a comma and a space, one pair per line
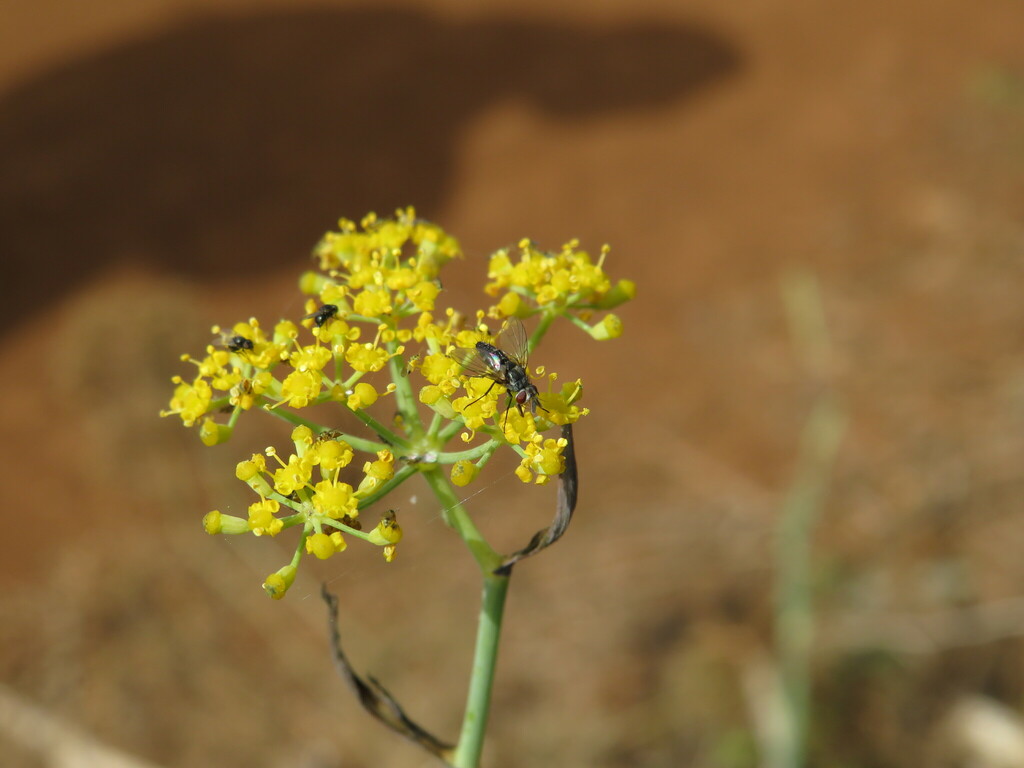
234, 342
239, 343
322, 314
504, 363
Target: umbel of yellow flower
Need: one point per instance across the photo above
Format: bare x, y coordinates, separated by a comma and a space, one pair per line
368, 368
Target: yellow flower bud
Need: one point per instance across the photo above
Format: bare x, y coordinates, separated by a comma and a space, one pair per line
363, 395
212, 433
509, 304
388, 531
214, 522
463, 473
211, 522
249, 472
609, 328
624, 290
277, 584
311, 283
430, 394
246, 470
320, 544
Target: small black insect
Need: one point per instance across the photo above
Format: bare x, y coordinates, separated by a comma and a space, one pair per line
328, 434
238, 343
507, 367
409, 365
322, 314
234, 342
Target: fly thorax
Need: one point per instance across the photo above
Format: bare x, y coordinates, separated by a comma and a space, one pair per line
517, 380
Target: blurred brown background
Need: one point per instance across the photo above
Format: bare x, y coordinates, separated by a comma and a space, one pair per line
168, 165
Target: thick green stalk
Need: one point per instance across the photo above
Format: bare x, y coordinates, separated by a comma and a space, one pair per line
485, 658
819, 446
794, 610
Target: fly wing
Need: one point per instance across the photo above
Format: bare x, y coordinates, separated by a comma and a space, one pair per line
513, 341
472, 363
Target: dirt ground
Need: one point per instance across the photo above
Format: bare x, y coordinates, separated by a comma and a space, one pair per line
167, 166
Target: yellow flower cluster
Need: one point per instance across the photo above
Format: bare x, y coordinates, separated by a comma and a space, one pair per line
557, 283
373, 297
383, 269
543, 459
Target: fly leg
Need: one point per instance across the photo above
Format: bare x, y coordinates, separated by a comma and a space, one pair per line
485, 394
508, 407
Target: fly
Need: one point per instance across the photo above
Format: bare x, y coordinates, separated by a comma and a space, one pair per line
505, 364
239, 343
323, 313
235, 342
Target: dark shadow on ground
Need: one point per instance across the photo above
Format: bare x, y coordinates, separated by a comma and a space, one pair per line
219, 146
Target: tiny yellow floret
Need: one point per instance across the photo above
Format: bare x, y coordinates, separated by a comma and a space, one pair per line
332, 454
293, 475
320, 544
388, 531
211, 522
277, 584
212, 433
463, 473
509, 304
610, 327
300, 388
261, 517
366, 358
215, 522
363, 395
335, 500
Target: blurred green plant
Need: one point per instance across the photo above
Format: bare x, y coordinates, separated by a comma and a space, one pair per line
819, 446
372, 314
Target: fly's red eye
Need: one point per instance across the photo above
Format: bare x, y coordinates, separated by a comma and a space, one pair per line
521, 396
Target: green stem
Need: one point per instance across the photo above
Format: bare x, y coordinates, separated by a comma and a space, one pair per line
358, 443
301, 548
405, 399
484, 449
579, 323
387, 487
435, 424
819, 446
383, 432
485, 657
794, 610
541, 329
345, 529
